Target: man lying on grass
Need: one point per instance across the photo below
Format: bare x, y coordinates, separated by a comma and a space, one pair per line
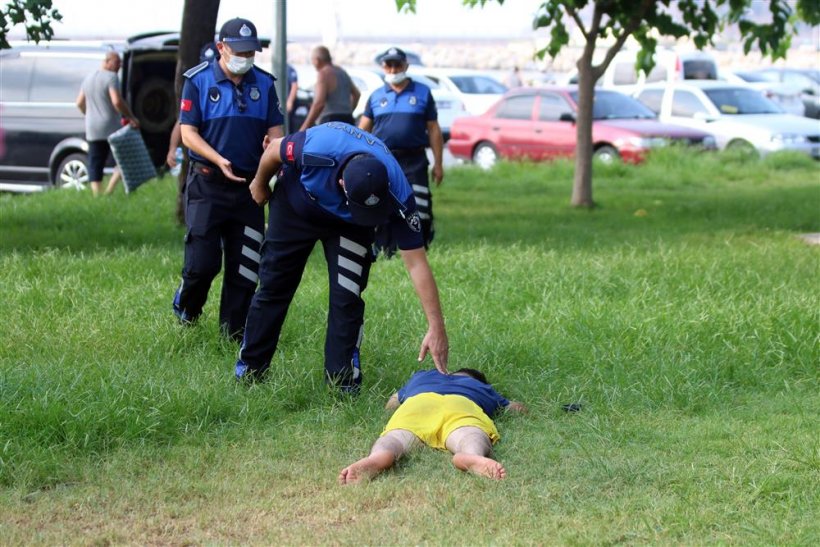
444, 411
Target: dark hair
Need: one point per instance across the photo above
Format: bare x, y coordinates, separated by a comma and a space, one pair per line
475, 374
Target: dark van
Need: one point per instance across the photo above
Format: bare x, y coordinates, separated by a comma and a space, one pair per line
43, 131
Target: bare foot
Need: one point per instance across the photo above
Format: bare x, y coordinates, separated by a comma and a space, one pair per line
366, 468
480, 465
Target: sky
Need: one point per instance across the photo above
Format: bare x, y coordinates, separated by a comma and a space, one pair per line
324, 20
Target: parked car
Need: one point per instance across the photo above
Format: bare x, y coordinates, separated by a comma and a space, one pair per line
738, 116
670, 66
806, 79
477, 90
539, 124
448, 105
786, 96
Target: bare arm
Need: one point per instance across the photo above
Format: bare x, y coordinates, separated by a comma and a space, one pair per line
515, 406
194, 141
365, 123
319, 100
269, 165
173, 144
355, 95
81, 101
291, 100
122, 106
435, 340
437, 144
393, 402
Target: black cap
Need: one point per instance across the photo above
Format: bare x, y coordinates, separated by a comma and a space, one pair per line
240, 35
368, 190
394, 54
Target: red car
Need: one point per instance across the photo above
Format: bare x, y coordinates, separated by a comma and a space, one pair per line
539, 124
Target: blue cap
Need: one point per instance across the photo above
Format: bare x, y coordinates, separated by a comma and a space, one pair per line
368, 190
240, 35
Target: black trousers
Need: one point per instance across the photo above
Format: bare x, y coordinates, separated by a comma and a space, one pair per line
222, 219
289, 240
415, 166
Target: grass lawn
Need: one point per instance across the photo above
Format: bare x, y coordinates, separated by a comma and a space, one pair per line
683, 314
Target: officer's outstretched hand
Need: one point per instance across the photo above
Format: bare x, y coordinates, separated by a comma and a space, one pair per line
436, 344
225, 166
260, 192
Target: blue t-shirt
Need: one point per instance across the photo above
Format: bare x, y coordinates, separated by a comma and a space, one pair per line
400, 119
432, 381
293, 77
232, 119
319, 155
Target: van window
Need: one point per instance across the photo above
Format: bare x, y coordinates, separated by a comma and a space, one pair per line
652, 99
686, 104
657, 74
15, 75
624, 74
58, 79
516, 108
698, 69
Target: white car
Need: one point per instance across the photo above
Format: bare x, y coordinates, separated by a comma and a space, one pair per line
737, 115
477, 90
448, 105
788, 97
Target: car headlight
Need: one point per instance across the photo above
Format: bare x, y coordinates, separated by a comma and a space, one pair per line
788, 138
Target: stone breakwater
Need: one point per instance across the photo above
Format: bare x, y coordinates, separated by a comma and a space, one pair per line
503, 55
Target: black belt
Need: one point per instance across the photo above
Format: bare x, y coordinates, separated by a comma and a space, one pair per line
406, 152
214, 174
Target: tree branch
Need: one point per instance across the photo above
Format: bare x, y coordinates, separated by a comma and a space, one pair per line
573, 13
631, 26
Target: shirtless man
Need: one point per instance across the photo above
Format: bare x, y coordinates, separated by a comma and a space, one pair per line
445, 411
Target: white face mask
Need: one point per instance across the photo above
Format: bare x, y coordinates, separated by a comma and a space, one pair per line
396, 78
239, 65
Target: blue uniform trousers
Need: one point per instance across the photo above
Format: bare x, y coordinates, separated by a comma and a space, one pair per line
289, 240
414, 165
222, 218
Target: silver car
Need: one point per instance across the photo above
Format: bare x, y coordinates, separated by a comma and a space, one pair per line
737, 115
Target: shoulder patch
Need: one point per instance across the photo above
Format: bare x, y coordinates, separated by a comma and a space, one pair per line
191, 72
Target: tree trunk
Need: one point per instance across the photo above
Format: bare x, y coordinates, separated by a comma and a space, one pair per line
198, 28
582, 184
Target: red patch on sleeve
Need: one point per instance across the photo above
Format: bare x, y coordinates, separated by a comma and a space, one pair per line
289, 151
186, 105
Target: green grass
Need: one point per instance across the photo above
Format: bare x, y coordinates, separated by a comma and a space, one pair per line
683, 313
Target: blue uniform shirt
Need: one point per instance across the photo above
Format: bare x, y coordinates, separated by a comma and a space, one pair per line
232, 119
319, 155
400, 119
432, 381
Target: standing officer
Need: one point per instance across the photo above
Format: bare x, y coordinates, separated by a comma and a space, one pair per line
228, 108
337, 183
403, 114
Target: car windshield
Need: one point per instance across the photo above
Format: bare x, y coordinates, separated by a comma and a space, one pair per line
478, 85
611, 105
736, 100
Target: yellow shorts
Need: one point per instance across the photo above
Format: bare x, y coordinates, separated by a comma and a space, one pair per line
432, 417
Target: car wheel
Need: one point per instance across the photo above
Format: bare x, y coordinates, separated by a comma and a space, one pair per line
72, 172
155, 105
485, 156
742, 147
606, 154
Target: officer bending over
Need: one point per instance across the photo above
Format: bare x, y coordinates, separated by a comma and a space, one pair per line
337, 183
229, 107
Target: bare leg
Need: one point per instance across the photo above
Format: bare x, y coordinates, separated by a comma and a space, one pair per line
115, 177
383, 455
95, 188
471, 449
